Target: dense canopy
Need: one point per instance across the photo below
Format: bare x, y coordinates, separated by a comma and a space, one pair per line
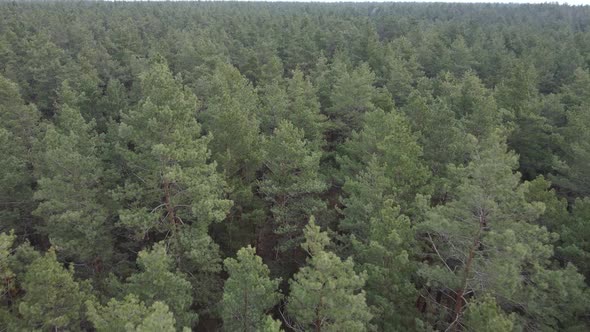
243, 166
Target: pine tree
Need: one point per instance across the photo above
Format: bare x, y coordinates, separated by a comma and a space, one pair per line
460, 56
291, 183
170, 181
573, 175
398, 76
248, 293
6, 275
472, 103
43, 70
382, 243
19, 129
387, 141
270, 325
574, 234
130, 315
230, 117
171, 190
441, 135
70, 192
485, 241
303, 110
274, 104
326, 294
160, 319
351, 96
53, 299
159, 281
484, 315
111, 104
296, 103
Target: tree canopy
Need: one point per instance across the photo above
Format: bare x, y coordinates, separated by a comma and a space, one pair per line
257, 166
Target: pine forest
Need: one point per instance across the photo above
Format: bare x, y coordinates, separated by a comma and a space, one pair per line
321, 167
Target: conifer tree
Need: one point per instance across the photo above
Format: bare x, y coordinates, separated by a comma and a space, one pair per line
172, 190
270, 325
387, 141
382, 243
70, 192
351, 96
397, 75
53, 299
171, 183
291, 183
230, 117
160, 281
304, 108
326, 294
483, 314
472, 103
297, 103
274, 104
248, 293
130, 315
43, 70
574, 234
485, 241
6, 275
442, 137
19, 129
573, 175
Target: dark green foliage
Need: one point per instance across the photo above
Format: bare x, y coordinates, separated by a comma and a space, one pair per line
19, 129
387, 142
53, 299
248, 292
159, 282
292, 182
325, 293
70, 193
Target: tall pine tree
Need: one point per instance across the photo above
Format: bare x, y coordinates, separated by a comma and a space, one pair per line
326, 294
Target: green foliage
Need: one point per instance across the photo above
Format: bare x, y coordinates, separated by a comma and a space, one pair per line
304, 108
484, 315
19, 128
6, 275
130, 315
53, 299
352, 96
166, 155
270, 325
485, 240
326, 294
230, 117
442, 136
472, 103
387, 257
173, 189
70, 192
248, 293
573, 173
159, 282
387, 142
292, 182
183, 132
575, 237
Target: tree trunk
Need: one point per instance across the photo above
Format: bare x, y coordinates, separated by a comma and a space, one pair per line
467, 269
